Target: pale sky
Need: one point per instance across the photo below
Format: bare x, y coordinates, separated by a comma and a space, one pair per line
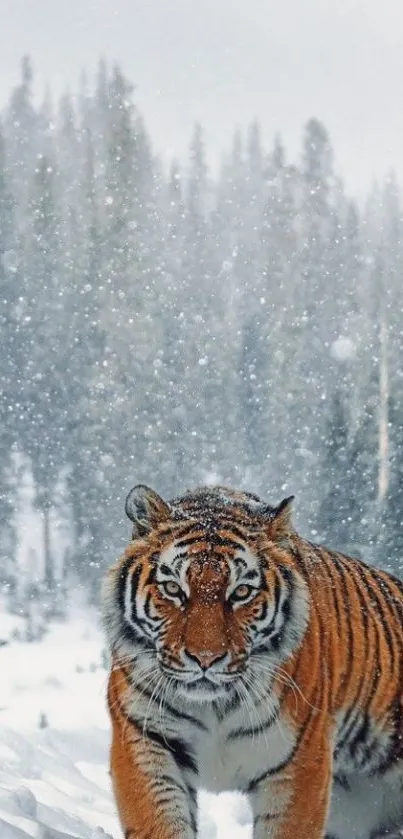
225, 62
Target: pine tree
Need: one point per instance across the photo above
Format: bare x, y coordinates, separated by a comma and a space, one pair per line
278, 249
347, 503
10, 358
21, 131
172, 367
255, 187
198, 301
46, 343
310, 299
83, 276
339, 478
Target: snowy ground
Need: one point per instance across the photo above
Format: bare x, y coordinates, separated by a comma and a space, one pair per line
54, 736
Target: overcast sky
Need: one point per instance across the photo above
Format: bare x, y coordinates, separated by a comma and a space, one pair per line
224, 62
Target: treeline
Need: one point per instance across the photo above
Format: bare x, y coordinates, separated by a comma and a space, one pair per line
175, 327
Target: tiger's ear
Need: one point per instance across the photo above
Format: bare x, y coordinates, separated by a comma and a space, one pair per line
280, 523
146, 509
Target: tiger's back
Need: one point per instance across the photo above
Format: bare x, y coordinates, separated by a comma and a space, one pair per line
247, 658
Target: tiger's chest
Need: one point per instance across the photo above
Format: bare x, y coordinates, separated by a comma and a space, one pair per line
230, 754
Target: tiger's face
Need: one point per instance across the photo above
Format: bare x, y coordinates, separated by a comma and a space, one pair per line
206, 591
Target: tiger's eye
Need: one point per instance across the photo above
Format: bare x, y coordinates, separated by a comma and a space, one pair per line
242, 592
172, 588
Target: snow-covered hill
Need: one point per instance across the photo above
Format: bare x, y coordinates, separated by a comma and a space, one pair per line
54, 735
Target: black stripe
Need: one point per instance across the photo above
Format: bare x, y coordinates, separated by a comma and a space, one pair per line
288, 576
273, 771
269, 772
174, 712
251, 575
249, 732
149, 599
181, 715
360, 736
352, 718
265, 818
381, 602
129, 631
121, 582
262, 562
386, 577
163, 796
395, 604
212, 538
270, 630
264, 609
240, 563
192, 793
311, 710
135, 579
226, 706
180, 555
191, 540
177, 529
273, 634
179, 749
193, 821
342, 574
239, 534
135, 634
377, 600
165, 783
393, 600
327, 566
363, 614
276, 598
301, 566
364, 618
343, 782
151, 576
354, 727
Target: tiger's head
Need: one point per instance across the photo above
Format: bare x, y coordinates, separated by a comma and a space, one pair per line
207, 590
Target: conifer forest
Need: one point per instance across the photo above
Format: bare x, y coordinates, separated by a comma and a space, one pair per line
177, 323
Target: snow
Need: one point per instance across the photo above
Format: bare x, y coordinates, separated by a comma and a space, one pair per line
54, 737
343, 349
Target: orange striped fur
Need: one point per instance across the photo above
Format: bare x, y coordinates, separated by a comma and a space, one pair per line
244, 657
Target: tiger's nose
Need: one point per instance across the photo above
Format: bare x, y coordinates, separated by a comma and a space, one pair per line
205, 658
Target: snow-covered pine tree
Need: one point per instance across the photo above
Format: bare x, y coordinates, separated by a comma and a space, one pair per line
21, 123
10, 358
46, 344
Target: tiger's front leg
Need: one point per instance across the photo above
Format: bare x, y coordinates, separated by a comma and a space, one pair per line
154, 801
293, 803
153, 796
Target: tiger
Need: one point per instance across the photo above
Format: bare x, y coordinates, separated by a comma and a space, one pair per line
247, 658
